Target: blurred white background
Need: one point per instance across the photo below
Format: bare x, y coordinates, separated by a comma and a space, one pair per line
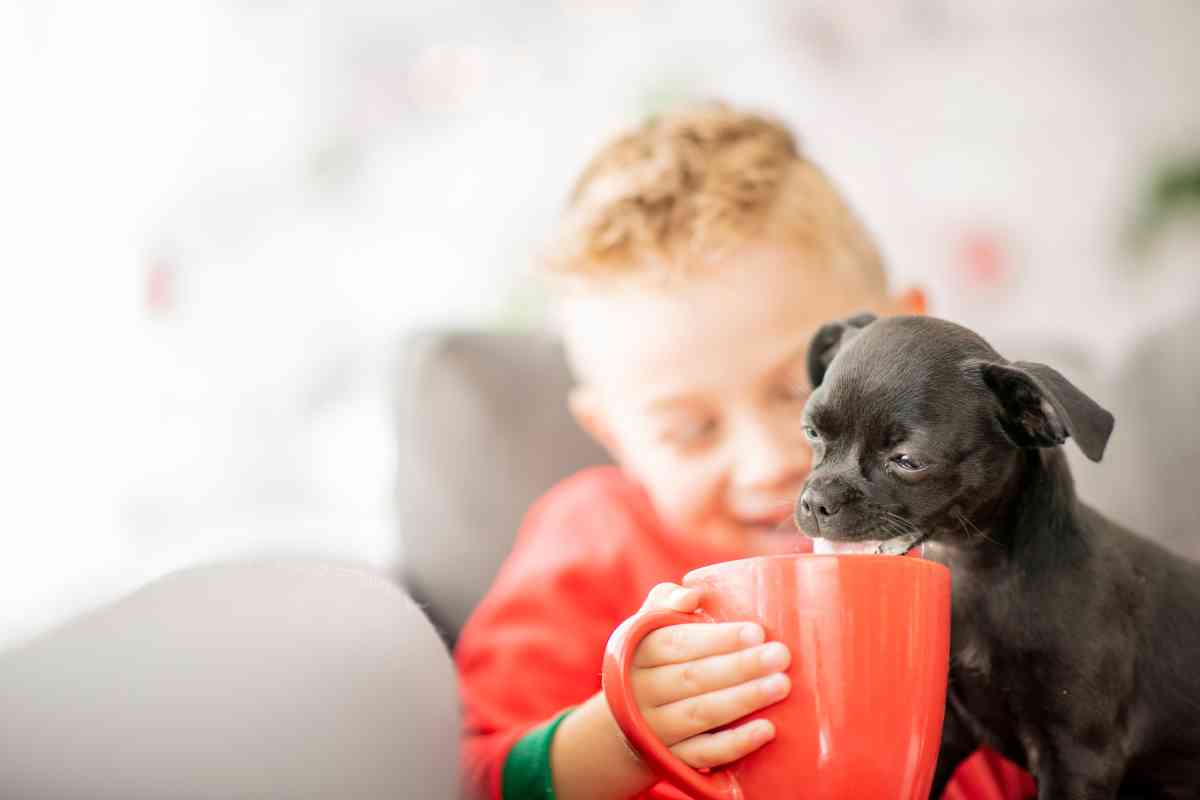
218, 219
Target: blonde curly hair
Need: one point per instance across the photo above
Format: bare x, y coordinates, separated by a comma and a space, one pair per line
685, 187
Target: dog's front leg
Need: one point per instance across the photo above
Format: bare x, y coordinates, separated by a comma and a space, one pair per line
1075, 787
1075, 772
957, 745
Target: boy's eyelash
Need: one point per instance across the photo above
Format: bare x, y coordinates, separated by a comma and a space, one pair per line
690, 432
792, 391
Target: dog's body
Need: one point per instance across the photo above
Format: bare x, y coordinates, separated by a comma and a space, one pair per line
1075, 643
1075, 651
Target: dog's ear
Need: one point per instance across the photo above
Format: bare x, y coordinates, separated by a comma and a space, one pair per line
828, 340
1042, 408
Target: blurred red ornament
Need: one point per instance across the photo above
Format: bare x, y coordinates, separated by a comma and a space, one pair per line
160, 287
981, 258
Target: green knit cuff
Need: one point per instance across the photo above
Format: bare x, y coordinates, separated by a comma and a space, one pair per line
527, 773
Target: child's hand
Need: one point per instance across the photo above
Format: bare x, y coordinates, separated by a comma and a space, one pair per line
691, 678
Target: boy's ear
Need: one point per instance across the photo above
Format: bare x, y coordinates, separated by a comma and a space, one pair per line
589, 412
828, 340
912, 301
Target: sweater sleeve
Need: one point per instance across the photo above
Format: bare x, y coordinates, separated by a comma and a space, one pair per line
533, 647
986, 775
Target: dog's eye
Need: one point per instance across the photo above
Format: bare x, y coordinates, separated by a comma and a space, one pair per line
811, 433
906, 462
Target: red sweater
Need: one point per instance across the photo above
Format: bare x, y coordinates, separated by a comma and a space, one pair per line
585, 558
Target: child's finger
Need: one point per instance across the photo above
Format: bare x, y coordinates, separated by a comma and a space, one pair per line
659, 594
684, 719
675, 644
715, 749
685, 600
666, 684
672, 596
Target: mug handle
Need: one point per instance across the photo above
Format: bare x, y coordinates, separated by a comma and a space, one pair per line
618, 658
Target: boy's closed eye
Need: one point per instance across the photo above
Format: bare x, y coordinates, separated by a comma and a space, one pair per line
788, 383
790, 392
691, 431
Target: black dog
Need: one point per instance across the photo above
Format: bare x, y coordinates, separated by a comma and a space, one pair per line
1075, 643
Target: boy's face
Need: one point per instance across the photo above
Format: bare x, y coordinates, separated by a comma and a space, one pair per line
697, 389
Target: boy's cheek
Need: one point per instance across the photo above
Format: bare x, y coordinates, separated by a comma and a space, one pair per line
681, 485
682, 491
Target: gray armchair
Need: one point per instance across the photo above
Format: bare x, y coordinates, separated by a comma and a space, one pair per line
482, 429
1150, 477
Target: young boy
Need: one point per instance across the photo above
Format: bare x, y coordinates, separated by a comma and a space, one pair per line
697, 256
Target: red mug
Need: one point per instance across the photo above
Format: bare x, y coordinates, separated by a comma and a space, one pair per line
870, 643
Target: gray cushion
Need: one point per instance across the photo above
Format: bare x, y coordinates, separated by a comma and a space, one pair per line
1151, 484
482, 430
286, 679
1147, 478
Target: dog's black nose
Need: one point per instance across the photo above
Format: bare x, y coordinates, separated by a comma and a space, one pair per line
815, 501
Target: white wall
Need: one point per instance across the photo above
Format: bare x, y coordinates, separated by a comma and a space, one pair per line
304, 181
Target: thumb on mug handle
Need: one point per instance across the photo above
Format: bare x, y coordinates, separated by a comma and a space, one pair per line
618, 658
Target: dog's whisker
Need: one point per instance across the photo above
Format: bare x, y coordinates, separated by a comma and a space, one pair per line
899, 523
897, 517
970, 527
966, 532
894, 525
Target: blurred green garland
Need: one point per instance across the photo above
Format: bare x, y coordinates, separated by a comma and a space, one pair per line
1172, 192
